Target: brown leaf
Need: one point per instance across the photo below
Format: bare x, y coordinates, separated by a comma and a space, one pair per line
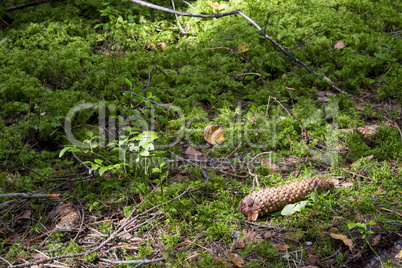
334, 230
178, 178
357, 163
268, 163
281, 247
217, 6
214, 134
248, 237
290, 88
193, 153
235, 258
376, 240
339, 45
312, 259
399, 256
344, 239
323, 95
24, 215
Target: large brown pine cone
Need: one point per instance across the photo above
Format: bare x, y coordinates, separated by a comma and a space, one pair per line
259, 203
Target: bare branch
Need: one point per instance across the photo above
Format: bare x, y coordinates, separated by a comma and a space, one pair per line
34, 3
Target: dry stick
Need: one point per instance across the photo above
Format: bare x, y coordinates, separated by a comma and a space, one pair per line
27, 196
208, 177
302, 42
152, 101
35, 3
186, 14
177, 18
149, 77
140, 262
30, 169
265, 27
237, 11
266, 85
6, 226
81, 162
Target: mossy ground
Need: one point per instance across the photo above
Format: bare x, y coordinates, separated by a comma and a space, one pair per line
59, 56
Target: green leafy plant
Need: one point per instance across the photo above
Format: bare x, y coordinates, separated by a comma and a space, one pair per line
362, 228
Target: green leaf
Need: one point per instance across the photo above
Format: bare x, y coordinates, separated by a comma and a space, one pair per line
144, 153
98, 161
65, 149
102, 170
293, 208
129, 83
372, 222
351, 225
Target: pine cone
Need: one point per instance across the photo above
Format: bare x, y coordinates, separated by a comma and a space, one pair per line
259, 203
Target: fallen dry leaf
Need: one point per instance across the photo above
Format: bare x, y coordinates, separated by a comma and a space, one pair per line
344, 239
243, 47
323, 95
281, 247
339, 45
214, 134
290, 88
217, 6
24, 215
376, 240
334, 230
312, 259
248, 237
268, 163
357, 163
192, 153
399, 256
235, 258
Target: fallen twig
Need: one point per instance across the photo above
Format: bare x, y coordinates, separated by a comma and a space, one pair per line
149, 76
35, 3
24, 195
139, 262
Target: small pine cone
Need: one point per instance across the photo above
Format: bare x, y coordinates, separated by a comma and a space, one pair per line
259, 203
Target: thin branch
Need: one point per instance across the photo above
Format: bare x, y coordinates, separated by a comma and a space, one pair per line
82, 163
186, 14
32, 170
144, 261
188, 4
149, 77
208, 177
8, 228
302, 42
27, 196
265, 26
177, 18
152, 101
35, 3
